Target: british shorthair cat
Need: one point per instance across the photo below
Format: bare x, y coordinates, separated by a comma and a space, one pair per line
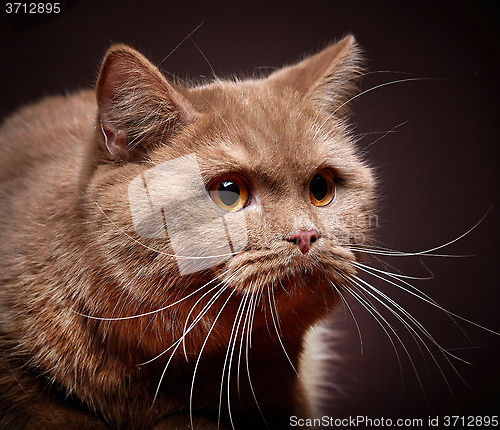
165, 249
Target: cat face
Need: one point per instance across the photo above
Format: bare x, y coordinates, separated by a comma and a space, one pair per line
285, 153
251, 185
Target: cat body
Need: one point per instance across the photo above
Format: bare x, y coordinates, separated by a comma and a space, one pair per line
106, 324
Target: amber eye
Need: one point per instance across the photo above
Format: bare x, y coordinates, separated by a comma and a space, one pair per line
229, 193
322, 188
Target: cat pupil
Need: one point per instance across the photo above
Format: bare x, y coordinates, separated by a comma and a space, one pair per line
229, 192
319, 187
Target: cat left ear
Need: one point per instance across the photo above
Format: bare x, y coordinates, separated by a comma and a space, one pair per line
328, 78
138, 107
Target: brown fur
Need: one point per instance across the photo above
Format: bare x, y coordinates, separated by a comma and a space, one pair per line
70, 257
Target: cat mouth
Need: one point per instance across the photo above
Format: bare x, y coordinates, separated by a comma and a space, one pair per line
257, 267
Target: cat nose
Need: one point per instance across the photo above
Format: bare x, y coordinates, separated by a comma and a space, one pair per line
304, 239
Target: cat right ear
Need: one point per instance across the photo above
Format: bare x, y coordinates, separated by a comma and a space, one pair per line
328, 78
137, 106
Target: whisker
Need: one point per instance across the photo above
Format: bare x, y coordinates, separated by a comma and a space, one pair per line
346, 305
163, 374
113, 311
397, 307
397, 277
410, 290
202, 313
360, 295
392, 130
246, 323
394, 72
247, 348
393, 253
417, 293
202, 54
380, 86
154, 311
374, 312
180, 341
275, 323
318, 129
201, 352
428, 252
229, 354
258, 299
413, 332
181, 42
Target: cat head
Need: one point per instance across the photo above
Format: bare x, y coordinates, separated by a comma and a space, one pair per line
251, 186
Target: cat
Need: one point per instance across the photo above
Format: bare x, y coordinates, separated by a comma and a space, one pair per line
167, 248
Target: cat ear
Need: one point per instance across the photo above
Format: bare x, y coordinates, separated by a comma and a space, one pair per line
137, 106
329, 78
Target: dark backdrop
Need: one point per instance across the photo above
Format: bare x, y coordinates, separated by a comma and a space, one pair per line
433, 142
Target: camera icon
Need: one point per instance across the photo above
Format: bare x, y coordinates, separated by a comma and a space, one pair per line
170, 201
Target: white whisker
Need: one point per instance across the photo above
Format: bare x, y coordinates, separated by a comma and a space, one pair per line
379, 86
154, 311
346, 305
229, 355
201, 352
181, 339
375, 293
416, 292
276, 328
181, 42
428, 252
178, 342
248, 345
246, 324
198, 318
374, 312
392, 130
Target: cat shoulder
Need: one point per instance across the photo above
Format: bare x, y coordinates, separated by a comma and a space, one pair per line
45, 130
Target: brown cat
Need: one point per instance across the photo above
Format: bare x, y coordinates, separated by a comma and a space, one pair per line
164, 249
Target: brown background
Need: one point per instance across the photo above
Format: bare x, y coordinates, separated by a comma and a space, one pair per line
438, 171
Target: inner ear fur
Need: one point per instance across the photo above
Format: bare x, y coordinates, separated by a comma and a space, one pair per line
328, 78
137, 106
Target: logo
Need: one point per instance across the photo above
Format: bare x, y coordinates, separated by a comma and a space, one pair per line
170, 201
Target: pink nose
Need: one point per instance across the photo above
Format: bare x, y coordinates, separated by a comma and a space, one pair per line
303, 238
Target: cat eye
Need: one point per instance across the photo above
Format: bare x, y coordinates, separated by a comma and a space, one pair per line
322, 188
229, 193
